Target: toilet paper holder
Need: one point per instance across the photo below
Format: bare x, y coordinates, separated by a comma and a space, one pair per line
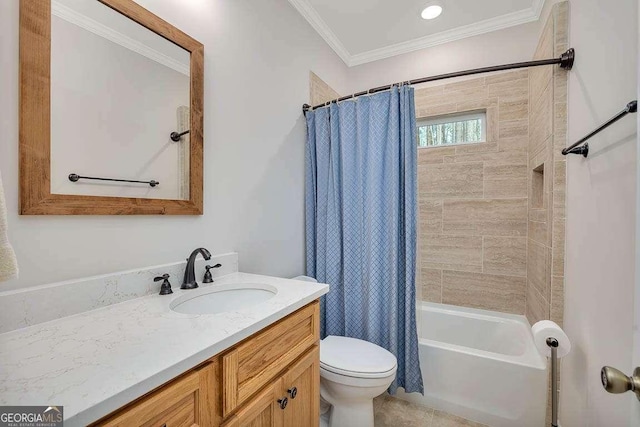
553, 345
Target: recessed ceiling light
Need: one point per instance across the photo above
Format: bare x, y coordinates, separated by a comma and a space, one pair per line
431, 12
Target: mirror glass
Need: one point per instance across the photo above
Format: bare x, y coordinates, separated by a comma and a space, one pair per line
118, 91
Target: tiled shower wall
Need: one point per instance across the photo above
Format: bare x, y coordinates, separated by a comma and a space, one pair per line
473, 198
319, 91
547, 166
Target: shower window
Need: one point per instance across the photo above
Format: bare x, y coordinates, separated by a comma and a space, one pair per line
452, 129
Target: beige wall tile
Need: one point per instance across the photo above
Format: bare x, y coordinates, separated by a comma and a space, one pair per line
430, 216
438, 110
506, 188
445, 252
561, 27
514, 128
480, 147
435, 100
541, 121
426, 93
319, 91
559, 202
557, 300
513, 110
500, 77
489, 217
505, 255
477, 82
537, 307
477, 104
434, 154
518, 143
557, 264
538, 270
537, 215
431, 280
485, 291
539, 79
540, 75
559, 175
505, 181
510, 89
470, 93
539, 230
451, 180
493, 124
489, 158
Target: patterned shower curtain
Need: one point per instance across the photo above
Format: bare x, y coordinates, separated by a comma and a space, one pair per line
361, 215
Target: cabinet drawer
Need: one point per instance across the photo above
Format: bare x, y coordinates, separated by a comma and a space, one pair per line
254, 363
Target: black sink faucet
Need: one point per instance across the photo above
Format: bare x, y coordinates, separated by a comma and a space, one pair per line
189, 281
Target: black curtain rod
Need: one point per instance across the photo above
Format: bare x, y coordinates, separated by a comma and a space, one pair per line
565, 61
583, 150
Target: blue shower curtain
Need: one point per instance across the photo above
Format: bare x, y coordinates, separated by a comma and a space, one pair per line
361, 165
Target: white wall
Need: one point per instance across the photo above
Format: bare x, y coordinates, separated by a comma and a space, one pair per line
112, 111
257, 60
601, 213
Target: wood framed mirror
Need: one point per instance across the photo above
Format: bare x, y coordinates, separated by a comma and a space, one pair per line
81, 154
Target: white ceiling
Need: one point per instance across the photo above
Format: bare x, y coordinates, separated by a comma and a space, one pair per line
362, 31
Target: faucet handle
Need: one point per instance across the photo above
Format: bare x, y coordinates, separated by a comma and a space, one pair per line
208, 278
165, 289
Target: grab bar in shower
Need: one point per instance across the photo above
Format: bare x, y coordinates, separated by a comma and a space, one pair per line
73, 177
583, 150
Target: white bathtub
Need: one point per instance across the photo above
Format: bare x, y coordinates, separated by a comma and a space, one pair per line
480, 365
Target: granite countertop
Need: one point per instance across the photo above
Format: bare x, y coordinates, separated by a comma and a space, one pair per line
95, 362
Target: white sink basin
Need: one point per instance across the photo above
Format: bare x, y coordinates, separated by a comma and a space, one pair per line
219, 299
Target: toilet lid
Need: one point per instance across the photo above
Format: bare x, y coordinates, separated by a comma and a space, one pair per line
354, 357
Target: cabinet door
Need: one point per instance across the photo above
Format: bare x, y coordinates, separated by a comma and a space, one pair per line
301, 384
262, 411
174, 405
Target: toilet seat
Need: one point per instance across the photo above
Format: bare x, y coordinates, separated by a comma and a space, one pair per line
351, 357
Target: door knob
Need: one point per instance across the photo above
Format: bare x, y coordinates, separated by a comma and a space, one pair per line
615, 381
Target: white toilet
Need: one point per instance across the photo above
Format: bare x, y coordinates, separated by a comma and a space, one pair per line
352, 373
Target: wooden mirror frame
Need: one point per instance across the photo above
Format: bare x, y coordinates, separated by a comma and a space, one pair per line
35, 120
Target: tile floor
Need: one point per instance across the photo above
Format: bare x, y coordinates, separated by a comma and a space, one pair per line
392, 412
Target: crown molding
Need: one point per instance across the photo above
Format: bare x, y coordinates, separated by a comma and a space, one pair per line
318, 24
498, 23
97, 28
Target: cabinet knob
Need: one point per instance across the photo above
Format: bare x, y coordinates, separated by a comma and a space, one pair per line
293, 392
283, 402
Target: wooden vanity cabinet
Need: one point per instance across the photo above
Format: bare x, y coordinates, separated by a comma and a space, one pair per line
271, 379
